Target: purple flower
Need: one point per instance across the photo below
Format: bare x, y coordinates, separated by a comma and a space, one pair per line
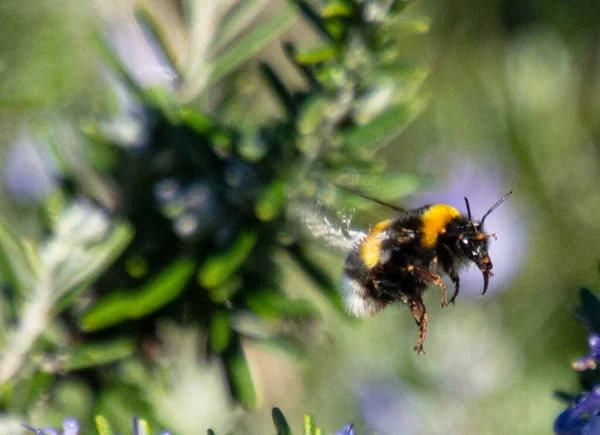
70, 427
348, 430
28, 171
582, 418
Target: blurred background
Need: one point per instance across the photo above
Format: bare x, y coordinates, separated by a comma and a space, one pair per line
152, 156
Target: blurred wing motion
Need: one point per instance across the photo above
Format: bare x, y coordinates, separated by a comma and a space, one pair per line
338, 236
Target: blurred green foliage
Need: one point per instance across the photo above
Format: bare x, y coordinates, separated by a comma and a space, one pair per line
202, 211
171, 256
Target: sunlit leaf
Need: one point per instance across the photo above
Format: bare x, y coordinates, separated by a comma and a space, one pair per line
309, 425
412, 25
338, 8
239, 375
317, 55
84, 270
17, 261
225, 290
218, 268
198, 121
219, 334
154, 294
271, 201
274, 304
381, 130
117, 66
158, 33
254, 41
292, 52
96, 354
236, 20
102, 426
311, 114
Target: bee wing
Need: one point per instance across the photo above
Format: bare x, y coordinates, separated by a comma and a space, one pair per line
337, 235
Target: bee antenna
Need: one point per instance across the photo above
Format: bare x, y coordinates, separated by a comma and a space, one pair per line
494, 207
370, 198
468, 208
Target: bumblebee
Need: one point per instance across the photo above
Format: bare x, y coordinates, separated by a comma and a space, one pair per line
399, 258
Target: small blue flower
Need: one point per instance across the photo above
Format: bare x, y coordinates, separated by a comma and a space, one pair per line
70, 427
582, 417
348, 430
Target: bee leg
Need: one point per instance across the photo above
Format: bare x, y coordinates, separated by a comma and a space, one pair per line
432, 279
417, 307
456, 280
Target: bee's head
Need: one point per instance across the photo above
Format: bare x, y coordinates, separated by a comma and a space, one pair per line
473, 241
473, 244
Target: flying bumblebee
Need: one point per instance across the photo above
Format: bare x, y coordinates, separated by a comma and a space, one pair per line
399, 258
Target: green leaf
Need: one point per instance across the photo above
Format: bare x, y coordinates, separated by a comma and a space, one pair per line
97, 354
591, 308
116, 65
37, 385
321, 280
158, 34
281, 424
291, 51
403, 69
271, 201
317, 55
210, 432
84, 270
381, 130
164, 288
198, 121
336, 27
238, 374
254, 41
165, 101
309, 425
313, 18
274, 304
18, 261
237, 18
412, 25
219, 334
154, 294
218, 268
338, 8
102, 426
312, 113
281, 92
225, 290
